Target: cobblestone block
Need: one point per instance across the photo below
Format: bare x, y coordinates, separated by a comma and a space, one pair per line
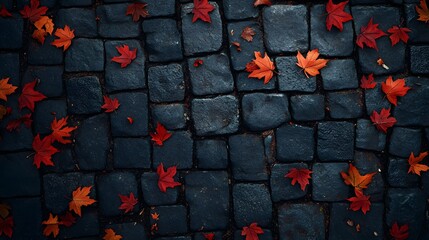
51, 79
239, 9
172, 219
114, 23
11, 32
417, 53
45, 54
295, 143
84, 95
151, 193
87, 225
291, 77
10, 67
335, 141
172, 116
161, 8
207, 194
244, 83
27, 218
81, 20
140, 149
398, 174
130, 230
68, 3
176, 151
345, 104
281, 188
419, 31
43, 116
166, 83
368, 137
85, 55
308, 107
286, 28
246, 152
328, 186
212, 77
63, 162
404, 141
368, 162
212, 154
339, 74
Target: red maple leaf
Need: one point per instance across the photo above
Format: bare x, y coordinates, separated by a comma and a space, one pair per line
299, 175
360, 202
336, 15
398, 33
14, 124
44, 151
110, 105
166, 179
128, 202
251, 232
4, 12
399, 232
137, 10
33, 12
394, 89
29, 96
382, 120
262, 2
161, 134
368, 35
201, 10
67, 219
368, 83
6, 226
60, 131
126, 57
209, 236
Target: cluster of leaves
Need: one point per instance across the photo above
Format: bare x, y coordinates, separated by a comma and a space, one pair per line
6, 220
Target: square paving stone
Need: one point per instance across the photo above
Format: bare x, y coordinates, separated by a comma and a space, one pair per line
308, 107
68, 3
11, 30
87, 225
244, 83
295, 143
133, 105
375, 99
81, 20
43, 114
130, 77
398, 174
152, 196
368, 162
63, 161
239, 59
114, 23
393, 56
92, 142
166, 83
27, 218
405, 141
406, 206
201, 37
176, 151
345, 104
212, 154
328, 186
130, 230
330, 43
335, 141
109, 187
214, 116
140, 149
301, 221
339, 74
18, 176
207, 194
281, 187
371, 224
417, 54
172, 116
172, 219
84, 95
419, 30
10, 67
239, 9
158, 8
286, 28
212, 77
252, 203
414, 104
45, 54
163, 41
264, 111
85, 55
291, 77
58, 189
246, 152
51, 79
368, 137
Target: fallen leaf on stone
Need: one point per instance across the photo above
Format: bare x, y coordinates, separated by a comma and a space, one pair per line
80, 199
155, 216
60, 130
368, 35
265, 67
299, 175
110, 234
39, 35
237, 46
52, 226
201, 10
262, 2
209, 236
6, 88
29, 96
137, 10
166, 178
252, 231
247, 34
382, 121
44, 151
65, 36
4, 12
415, 166
198, 62
126, 57
4, 210
68, 219
45, 23
380, 62
310, 64
359, 202
110, 105
398, 33
130, 120
423, 11
6, 226
336, 15
399, 232
128, 202
356, 180
33, 12
394, 89
251, 66
160, 135
15, 123
368, 83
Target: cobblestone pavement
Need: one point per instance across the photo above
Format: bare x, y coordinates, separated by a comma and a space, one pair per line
233, 138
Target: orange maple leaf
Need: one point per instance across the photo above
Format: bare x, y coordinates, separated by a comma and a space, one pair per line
361, 201
415, 167
110, 234
423, 11
39, 35
80, 199
394, 89
52, 226
310, 64
60, 131
65, 36
6, 88
265, 67
247, 34
355, 179
155, 216
45, 23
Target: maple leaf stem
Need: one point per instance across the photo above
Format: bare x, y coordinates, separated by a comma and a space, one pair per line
31, 154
